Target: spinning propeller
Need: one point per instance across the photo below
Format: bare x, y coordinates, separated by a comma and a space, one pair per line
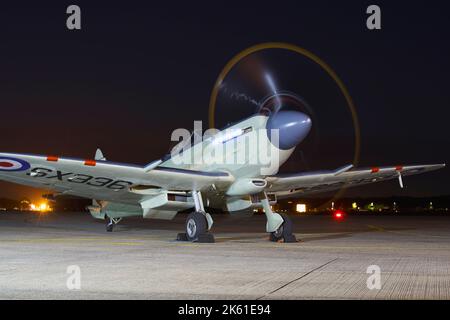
253, 87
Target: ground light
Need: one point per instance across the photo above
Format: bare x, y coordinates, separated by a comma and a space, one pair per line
42, 207
338, 215
301, 207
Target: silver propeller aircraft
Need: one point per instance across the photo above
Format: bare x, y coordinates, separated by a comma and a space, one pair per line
162, 188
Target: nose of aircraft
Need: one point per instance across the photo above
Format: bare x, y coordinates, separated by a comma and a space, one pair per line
292, 126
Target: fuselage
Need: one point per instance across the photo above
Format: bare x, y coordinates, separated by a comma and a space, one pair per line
254, 147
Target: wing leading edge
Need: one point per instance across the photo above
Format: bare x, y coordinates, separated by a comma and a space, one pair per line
315, 182
99, 179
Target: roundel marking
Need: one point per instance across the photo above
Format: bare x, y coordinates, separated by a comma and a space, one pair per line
6, 164
13, 164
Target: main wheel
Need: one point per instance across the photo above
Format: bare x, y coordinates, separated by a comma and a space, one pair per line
284, 232
196, 225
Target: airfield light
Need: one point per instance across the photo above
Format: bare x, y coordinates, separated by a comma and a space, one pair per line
301, 207
354, 205
41, 207
338, 214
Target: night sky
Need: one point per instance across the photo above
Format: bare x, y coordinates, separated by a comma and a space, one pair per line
136, 71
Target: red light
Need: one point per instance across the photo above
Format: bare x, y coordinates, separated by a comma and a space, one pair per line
52, 158
338, 214
91, 163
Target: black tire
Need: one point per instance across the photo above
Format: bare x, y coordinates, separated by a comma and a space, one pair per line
284, 232
196, 225
182, 237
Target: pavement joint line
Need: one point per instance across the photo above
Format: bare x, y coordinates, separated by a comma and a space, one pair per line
416, 234
379, 229
141, 241
405, 232
301, 277
63, 239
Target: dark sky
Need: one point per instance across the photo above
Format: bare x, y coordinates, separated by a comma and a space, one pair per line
136, 71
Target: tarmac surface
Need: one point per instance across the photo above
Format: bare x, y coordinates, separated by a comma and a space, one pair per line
141, 259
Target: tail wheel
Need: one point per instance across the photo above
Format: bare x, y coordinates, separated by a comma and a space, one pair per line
196, 225
109, 224
284, 232
110, 227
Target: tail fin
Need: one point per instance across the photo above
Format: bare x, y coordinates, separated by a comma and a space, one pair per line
99, 155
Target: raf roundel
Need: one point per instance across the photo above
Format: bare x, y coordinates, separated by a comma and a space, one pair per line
13, 164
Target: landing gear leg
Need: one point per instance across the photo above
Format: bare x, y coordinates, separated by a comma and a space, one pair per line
198, 223
279, 226
111, 222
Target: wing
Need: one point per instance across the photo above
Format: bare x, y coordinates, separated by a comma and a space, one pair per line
315, 182
103, 180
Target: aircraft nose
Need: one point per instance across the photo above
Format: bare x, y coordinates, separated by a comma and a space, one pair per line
292, 126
